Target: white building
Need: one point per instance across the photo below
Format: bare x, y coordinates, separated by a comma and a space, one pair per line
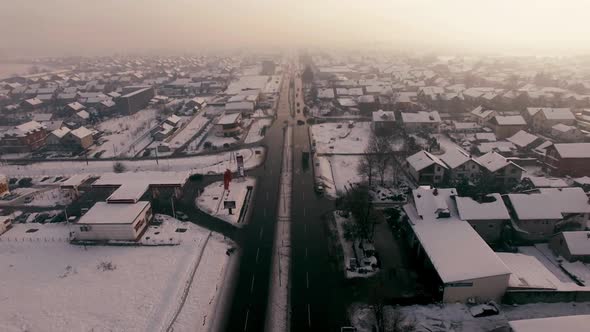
103, 222
426, 168
421, 120
466, 266
577, 323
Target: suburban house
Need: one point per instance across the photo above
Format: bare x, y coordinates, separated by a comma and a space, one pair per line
32, 104
426, 168
464, 266
540, 215
482, 116
27, 137
573, 246
229, 125
524, 141
503, 171
507, 125
421, 120
571, 159
545, 118
383, 122
460, 165
78, 139
4, 189
487, 215
104, 222
567, 134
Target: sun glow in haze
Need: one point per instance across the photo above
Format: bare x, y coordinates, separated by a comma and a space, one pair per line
87, 26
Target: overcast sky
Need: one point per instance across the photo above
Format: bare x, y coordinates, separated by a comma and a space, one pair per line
104, 26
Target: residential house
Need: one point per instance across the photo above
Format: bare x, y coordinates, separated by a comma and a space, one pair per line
421, 120
487, 215
465, 267
503, 171
26, 137
78, 139
104, 222
572, 245
229, 125
507, 125
384, 122
460, 165
546, 118
426, 168
32, 104
524, 141
567, 134
571, 159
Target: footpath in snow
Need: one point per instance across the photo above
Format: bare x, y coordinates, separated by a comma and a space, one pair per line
50, 285
211, 200
210, 164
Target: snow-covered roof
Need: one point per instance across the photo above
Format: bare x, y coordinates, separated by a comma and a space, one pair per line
522, 139
83, 115
326, 93
545, 182
563, 127
455, 158
490, 137
240, 106
578, 323
105, 213
578, 243
510, 120
76, 106
494, 161
29, 127
34, 101
133, 185
568, 200
75, 180
173, 119
421, 117
470, 209
557, 113
573, 150
61, 132
534, 206
347, 102
383, 116
423, 159
229, 119
81, 132
528, 272
455, 249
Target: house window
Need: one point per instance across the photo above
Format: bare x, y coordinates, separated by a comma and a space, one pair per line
491, 225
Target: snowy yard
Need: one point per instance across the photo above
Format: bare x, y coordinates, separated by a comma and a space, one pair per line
457, 318
50, 197
348, 250
123, 135
213, 196
255, 133
210, 164
337, 138
51, 285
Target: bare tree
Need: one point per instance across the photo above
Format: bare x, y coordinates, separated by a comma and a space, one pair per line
366, 167
380, 148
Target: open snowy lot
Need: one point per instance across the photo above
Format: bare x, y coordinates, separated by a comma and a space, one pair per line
51, 285
211, 199
124, 136
255, 133
338, 138
212, 164
457, 318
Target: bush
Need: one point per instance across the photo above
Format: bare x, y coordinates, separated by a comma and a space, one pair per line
119, 167
207, 145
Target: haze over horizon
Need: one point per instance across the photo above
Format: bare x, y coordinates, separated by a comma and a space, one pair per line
80, 27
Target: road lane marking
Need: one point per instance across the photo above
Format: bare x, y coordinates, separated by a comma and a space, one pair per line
305, 253
307, 279
267, 195
252, 284
308, 315
305, 229
264, 211
246, 323
258, 251
261, 231
302, 196
304, 212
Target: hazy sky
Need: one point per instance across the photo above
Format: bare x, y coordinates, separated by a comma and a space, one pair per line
106, 26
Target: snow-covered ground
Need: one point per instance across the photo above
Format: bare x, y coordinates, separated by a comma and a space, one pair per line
210, 164
348, 250
457, 318
187, 132
50, 285
255, 133
211, 199
330, 139
345, 172
122, 135
51, 197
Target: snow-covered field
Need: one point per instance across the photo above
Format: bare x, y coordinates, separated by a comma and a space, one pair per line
330, 139
211, 199
255, 133
50, 197
212, 164
457, 318
122, 135
50, 285
345, 172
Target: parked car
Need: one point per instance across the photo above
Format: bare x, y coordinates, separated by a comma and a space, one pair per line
28, 199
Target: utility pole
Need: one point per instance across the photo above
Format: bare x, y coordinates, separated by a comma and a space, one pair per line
173, 210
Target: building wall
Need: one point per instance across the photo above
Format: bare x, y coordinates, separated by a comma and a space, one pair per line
538, 229
482, 289
508, 175
122, 232
489, 230
136, 102
469, 170
507, 131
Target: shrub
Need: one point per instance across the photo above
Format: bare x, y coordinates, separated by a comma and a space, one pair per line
119, 167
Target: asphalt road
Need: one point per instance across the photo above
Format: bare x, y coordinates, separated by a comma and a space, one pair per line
250, 297
317, 301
